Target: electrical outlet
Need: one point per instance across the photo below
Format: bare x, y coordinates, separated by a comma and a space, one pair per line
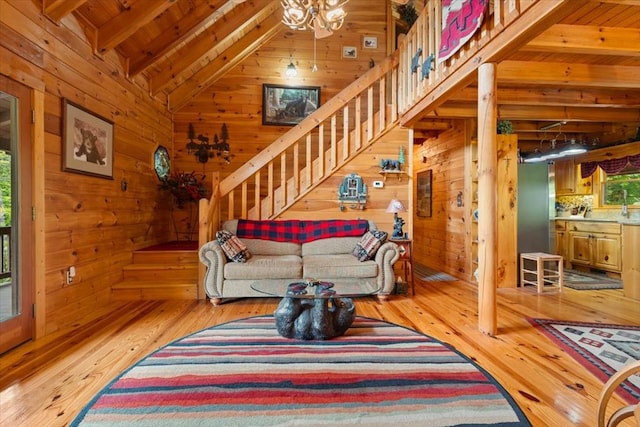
71, 273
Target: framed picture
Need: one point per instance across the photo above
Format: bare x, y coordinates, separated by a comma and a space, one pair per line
424, 194
370, 42
349, 52
288, 105
87, 142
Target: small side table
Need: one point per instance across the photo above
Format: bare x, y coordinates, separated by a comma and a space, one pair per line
406, 258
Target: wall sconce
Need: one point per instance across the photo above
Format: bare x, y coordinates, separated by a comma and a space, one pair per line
205, 151
292, 71
394, 207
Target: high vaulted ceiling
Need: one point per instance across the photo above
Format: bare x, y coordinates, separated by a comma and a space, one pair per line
584, 70
179, 46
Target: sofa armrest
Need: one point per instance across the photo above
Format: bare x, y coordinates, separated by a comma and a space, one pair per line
213, 257
386, 256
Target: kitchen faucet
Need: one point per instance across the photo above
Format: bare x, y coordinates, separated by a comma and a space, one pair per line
625, 210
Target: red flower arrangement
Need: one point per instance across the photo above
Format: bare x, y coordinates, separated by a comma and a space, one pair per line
185, 187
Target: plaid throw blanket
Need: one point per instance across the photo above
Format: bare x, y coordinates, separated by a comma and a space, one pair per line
298, 231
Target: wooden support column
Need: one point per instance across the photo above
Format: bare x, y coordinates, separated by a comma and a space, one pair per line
487, 198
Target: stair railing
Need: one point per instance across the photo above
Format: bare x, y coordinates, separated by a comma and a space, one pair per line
307, 154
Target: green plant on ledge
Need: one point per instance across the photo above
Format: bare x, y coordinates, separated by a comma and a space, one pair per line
505, 127
407, 13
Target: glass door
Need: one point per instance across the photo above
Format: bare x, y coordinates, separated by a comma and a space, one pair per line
16, 230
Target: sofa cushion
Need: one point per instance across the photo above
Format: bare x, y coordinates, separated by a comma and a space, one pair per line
337, 266
336, 245
366, 248
265, 267
232, 247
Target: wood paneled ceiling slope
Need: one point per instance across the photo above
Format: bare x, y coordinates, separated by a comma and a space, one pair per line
583, 69
179, 46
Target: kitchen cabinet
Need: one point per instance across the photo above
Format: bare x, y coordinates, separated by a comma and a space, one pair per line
631, 260
595, 245
569, 180
561, 241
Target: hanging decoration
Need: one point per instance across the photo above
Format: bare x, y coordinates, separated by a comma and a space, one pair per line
354, 191
205, 151
460, 20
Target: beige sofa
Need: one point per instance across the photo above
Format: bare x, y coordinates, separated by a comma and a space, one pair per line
329, 259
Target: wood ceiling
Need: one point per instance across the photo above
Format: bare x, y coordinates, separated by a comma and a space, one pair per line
584, 70
178, 46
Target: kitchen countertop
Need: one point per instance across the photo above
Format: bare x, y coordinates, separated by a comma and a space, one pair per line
626, 221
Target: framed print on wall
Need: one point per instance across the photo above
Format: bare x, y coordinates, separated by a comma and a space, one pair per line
349, 52
424, 194
370, 42
288, 105
87, 142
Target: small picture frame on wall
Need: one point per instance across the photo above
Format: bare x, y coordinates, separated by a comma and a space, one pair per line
370, 42
349, 52
424, 193
87, 142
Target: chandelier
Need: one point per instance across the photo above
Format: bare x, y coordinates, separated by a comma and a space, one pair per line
321, 16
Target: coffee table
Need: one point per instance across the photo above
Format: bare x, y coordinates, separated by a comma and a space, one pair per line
313, 309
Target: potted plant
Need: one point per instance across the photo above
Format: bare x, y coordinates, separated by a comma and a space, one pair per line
505, 127
186, 190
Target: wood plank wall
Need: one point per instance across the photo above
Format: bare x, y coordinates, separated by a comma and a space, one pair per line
322, 203
89, 222
441, 241
236, 99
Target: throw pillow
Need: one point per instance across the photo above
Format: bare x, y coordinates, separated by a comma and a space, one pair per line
367, 246
232, 247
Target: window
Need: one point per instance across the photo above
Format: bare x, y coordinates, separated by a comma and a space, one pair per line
625, 183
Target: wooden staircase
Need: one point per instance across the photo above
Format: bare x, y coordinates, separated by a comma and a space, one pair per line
159, 274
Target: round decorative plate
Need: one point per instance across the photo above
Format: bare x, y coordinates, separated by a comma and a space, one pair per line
162, 163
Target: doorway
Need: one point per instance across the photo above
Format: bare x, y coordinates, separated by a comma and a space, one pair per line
16, 228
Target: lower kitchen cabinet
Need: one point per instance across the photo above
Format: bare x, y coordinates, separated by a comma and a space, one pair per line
595, 245
562, 246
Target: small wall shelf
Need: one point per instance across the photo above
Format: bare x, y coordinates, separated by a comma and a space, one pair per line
399, 174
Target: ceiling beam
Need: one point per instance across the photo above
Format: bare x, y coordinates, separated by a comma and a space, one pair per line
453, 110
565, 96
202, 16
228, 59
122, 26
576, 75
210, 44
588, 40
58, 9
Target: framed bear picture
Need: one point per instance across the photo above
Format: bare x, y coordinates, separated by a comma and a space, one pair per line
87, 142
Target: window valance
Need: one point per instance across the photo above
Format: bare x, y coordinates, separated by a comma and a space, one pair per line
609, 166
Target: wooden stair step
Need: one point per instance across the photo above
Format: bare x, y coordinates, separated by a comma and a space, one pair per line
162, 272
154, 290
165, 257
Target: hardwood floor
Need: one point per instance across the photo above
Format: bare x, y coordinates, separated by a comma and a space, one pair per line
46, 383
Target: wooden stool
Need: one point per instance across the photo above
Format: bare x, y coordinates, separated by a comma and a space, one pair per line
541, 272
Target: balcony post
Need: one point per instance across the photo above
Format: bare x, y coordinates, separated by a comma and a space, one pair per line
487, 198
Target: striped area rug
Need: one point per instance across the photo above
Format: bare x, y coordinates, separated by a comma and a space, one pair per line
243, 373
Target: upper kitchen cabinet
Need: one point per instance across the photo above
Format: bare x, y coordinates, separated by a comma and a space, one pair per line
568, 179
